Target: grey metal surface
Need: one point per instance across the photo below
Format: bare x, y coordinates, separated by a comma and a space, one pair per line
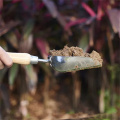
68, 64
43, 60
34, 59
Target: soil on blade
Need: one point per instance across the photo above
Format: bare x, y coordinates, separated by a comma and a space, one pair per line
76, 51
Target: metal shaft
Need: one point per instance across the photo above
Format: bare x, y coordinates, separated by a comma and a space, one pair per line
43, 60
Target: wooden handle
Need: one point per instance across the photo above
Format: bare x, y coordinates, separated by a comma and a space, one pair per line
20, 58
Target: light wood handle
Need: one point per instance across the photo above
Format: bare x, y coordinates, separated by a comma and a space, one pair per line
20, 58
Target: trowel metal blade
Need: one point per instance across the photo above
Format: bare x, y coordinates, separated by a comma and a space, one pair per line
75, 63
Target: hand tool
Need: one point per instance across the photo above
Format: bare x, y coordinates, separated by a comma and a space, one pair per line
59, 63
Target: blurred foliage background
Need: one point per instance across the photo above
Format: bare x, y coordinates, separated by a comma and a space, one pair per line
37, 92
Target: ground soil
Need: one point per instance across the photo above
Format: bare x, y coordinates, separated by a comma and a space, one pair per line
59, 106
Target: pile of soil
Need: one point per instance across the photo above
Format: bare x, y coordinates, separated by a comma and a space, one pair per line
76, 51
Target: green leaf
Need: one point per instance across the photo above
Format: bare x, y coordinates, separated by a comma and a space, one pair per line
13, 73
84, 42
111, 110
3, 44
11, 37
29, 70
28, 29
105, 119
71, 112
2, 74
31, 77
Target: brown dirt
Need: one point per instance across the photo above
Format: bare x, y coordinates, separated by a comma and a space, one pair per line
76, 51
59, 106
67, 51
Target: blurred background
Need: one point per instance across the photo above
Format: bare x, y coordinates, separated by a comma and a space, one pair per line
35, 92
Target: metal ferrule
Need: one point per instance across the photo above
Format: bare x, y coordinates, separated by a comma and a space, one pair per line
34, 60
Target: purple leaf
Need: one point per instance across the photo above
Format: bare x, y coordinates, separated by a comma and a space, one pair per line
1, 5
41, 5
4, 29
55, 14
72, 23
88, 9
42, 47
51, 7
99, 13
114, 15
15, 1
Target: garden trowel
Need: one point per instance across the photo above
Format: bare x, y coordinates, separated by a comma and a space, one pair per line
59, 63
